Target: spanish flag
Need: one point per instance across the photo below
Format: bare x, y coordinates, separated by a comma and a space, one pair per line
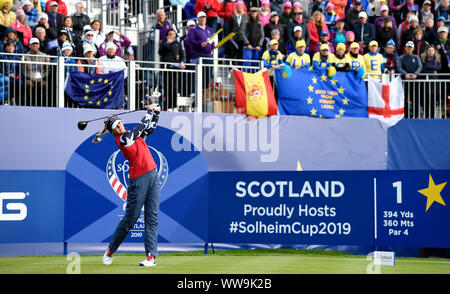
254, 93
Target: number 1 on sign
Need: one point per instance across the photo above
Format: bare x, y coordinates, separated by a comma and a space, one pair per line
398, 186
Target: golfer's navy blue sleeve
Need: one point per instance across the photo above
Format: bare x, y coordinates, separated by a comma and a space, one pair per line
130, 137
152, 126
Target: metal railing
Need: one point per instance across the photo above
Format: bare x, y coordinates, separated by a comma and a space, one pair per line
427, 96
28, 80
204, 87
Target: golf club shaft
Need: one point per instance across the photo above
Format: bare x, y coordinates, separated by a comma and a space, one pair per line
130, 111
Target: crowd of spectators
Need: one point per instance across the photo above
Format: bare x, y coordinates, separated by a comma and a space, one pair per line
409, 37
406, 37
379, 32
45, 29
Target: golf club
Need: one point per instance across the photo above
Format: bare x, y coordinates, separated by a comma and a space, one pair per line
82, 124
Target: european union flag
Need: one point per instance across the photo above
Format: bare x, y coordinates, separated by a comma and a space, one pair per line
313, 93
96, 90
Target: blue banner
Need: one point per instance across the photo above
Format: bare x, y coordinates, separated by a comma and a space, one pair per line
332, 208
96, 90
313, 93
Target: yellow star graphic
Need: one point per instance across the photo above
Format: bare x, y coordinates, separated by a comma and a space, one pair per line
92, 82
86, 97
105, 99
111, 83
311, 88
345, 101
86, 86
323, 78
334, 82
433, 193
310, 100
313, 111
337, 116
100, 80
341, 90
99, 102
314, 80
90, 102
106, 81
341, 111
87, 90
110, 93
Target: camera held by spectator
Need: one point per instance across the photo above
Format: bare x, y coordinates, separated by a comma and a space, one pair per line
207, 8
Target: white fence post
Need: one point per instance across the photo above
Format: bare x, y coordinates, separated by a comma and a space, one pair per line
121, 16
132, 85
156, 47
216, 59
198, 86
179, 19
104, 12
60, 82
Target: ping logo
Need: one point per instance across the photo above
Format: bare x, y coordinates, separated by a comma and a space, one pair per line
117, 171
17, 210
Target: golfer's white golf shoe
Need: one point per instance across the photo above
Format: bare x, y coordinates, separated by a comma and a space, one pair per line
108, 257
149, 261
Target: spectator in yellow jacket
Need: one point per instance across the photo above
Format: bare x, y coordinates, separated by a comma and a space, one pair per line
7, 17
299, 59
374, 60
356, 60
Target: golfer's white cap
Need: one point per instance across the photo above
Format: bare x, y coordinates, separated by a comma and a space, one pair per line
112, 122
115, 124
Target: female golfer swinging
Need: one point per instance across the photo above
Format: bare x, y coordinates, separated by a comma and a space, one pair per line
143, 187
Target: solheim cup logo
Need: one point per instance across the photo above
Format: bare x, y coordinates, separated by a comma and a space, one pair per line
117, 170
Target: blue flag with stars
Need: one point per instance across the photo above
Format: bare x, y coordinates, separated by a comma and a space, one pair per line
313, 93
96, 90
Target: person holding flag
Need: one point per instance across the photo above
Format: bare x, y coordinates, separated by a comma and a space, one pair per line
357, 62
198, 37
299, 59
322, 60
340, 60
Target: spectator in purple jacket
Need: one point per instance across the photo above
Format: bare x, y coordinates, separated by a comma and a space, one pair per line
384, 12
186, 41
124, 42
163, 25
198, 36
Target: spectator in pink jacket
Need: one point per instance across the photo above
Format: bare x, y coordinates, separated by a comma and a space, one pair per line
264, 12
21, 26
